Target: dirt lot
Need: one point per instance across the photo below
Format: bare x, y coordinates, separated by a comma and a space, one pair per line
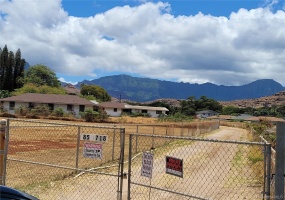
207, 175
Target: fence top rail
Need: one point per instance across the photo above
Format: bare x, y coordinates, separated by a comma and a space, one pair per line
165, 124
199, 139
60, 124
264, 140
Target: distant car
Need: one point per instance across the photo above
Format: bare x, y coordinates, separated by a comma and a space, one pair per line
7, 193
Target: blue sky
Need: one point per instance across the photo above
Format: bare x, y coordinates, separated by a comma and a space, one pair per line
88, 8
228, 42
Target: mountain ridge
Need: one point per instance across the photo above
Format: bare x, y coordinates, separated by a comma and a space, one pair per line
147, 89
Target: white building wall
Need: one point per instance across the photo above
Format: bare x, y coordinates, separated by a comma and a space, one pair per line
112, 113
75, 108
153, 113
6, 106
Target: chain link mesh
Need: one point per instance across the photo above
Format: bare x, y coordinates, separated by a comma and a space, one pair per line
212, 169
47, 161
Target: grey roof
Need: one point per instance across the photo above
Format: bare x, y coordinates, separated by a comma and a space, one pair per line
206, 112
127, 106
112, 105
48, 98
146, 107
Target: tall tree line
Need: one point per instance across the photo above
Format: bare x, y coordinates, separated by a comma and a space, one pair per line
11, 69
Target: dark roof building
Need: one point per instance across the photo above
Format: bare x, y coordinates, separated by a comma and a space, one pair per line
48, 98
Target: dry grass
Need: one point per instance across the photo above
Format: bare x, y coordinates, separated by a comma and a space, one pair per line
54, 144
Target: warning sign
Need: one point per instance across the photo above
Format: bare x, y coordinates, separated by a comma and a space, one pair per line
174, 166
147, 164
92, 150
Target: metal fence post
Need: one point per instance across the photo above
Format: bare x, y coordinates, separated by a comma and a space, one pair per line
137, 139
268, 170
2, 150
181, 133
130, 166
280, 158
121, 167
153, 135
113, 147
77, 147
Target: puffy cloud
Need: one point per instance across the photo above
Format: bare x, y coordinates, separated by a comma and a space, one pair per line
148, 40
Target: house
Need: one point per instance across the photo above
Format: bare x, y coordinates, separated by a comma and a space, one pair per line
241, 117
115, 109
205, 113
71, 89
69, 103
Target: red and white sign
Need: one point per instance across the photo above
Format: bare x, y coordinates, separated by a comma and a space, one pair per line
92, 150
174, 166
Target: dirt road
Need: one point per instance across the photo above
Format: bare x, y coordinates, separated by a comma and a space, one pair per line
211, 170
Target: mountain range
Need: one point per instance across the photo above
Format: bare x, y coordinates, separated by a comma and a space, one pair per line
146, 89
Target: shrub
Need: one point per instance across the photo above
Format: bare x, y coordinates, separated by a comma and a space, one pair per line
89, 115
41, 110
22, 110
58, 112
2, 109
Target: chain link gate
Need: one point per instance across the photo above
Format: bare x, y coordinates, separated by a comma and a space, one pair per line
46, 159
64, 160
196, 168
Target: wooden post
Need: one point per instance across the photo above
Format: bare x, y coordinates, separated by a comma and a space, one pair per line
2, 148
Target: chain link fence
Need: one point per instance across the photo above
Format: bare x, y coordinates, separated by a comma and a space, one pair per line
64, 161
76, 161
173, 129
195, 168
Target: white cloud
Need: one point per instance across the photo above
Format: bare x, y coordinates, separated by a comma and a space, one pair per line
148, 40
66, 81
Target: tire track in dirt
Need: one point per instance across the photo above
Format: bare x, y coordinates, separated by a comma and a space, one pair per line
207, 167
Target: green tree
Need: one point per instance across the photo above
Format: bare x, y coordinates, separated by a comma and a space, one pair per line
281, 110
11, 69
4, 94
188, 106
8, 80
230, 110
205, 103
95, 91
249, 110
4, 63
19, 70
41, 75
44, 89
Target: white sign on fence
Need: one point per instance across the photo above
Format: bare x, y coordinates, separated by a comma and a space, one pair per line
147, 164
94, 137
92, 150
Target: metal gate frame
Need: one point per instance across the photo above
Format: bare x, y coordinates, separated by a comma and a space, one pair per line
120, 173
266, 153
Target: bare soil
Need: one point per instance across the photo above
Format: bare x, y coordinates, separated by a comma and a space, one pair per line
207, 174
205, 180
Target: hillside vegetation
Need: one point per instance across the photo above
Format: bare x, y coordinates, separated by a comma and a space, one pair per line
146, 89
